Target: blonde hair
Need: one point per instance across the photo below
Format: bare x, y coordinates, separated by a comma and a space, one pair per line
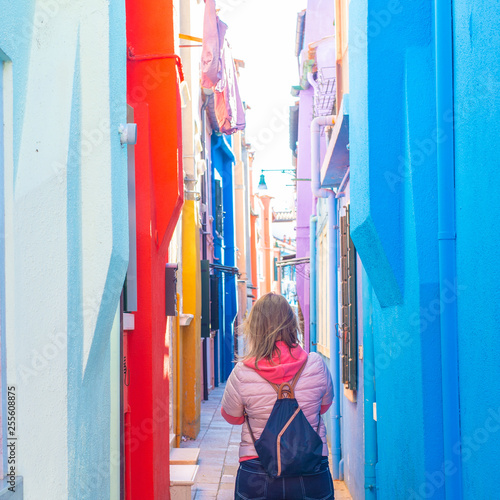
271, 319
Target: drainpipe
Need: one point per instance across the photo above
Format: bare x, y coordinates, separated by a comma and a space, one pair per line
312, 81
313, 336
316, 124
447, 244
369, 393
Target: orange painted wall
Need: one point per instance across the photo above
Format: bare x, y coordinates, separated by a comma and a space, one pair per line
342, 39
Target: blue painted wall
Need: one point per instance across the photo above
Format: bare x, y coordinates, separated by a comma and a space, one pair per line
394, 228
353, 414
224, 249
393, 142
351, 408
230, 287
477, 133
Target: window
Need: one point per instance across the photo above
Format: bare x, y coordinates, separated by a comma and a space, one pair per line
219, 212
348, 325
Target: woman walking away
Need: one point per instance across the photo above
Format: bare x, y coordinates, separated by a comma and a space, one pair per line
278, 393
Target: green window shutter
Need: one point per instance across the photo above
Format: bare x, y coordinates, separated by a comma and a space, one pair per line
205, 299
214, 302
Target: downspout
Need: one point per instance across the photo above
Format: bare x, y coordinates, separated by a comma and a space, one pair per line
316, 124
447, 244
369, 393
313, 335
312, 81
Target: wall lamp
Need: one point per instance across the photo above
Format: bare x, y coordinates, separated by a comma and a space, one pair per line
262, 183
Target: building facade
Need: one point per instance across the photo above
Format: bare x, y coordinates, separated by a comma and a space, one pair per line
64, 243
398, 162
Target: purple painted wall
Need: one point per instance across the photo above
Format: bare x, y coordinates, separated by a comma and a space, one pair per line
319, 23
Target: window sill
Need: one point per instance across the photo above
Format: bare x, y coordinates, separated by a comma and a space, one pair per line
324, 350
350, 395
185, 319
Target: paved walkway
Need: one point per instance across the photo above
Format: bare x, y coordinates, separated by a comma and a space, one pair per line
219, 442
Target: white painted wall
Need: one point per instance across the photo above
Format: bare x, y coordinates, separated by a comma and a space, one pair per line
72, 36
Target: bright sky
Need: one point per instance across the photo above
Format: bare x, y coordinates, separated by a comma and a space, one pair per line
262, 33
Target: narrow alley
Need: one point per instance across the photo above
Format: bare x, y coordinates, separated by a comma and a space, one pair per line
218, 442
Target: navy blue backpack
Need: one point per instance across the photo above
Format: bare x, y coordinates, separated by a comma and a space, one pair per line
288, 445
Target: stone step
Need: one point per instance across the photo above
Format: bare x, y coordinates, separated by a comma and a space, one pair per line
184, 456
182, 477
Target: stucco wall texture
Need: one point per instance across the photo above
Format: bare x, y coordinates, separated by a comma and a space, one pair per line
477, 129
67, 244
394, 228
393, 143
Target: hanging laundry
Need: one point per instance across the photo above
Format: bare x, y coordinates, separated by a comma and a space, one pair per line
214, 32
228, 106
218, 72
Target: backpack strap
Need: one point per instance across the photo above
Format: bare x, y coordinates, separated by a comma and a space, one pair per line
245, 414
287, 389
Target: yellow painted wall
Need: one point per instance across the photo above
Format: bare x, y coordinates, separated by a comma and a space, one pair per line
191, 334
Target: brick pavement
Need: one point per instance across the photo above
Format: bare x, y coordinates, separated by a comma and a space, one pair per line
219, 442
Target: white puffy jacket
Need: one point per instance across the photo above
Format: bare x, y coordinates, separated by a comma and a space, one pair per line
247, 389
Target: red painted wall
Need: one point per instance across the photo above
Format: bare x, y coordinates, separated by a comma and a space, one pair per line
152, 90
